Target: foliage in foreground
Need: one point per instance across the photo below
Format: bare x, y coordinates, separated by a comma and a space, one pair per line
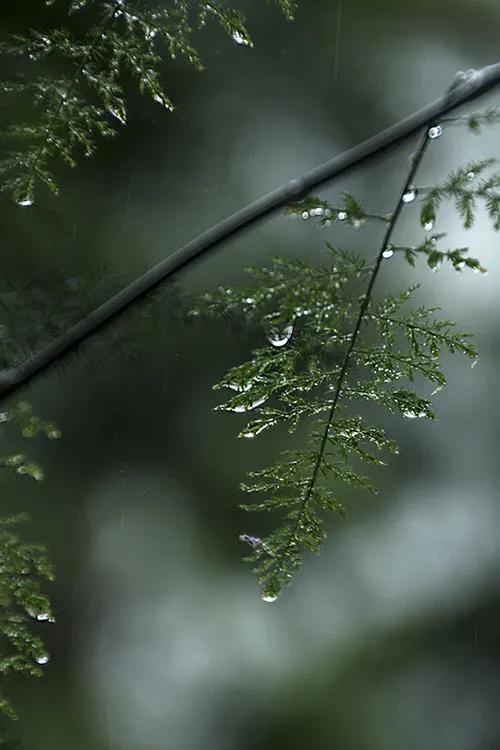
24, 568
328, 345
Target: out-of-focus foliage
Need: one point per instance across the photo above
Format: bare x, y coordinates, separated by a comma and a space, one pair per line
23, 569
77, 107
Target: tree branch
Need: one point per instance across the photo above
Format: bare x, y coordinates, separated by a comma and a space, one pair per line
466, 87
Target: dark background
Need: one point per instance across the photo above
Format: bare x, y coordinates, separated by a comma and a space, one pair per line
390, 638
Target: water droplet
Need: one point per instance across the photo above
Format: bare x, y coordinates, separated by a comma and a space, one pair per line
267, 596
26, 201
236, 387
428, 226
248, 407
474, 364
253, 541
240, 39
249, 301
470, 175
119, 114
414, 415
388, 252
4, 416
54, 434
281, 338
42, 659
410, 195
435, 131
305, 215
342, 215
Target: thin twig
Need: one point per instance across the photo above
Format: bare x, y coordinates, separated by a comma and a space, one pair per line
467, 87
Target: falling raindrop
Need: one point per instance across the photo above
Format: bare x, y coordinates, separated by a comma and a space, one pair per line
410, 195
428, 226
435, 131
388, 252
281, 338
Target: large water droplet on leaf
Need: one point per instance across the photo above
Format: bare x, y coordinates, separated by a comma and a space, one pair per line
410, 195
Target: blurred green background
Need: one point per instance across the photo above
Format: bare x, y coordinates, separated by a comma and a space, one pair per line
390, 638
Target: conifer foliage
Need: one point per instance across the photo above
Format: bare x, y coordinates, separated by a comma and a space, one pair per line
328, 344
84, 99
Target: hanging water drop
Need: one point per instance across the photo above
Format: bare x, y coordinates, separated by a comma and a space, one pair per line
388, 252
42, 659
26, 201
414, 415
248, 407
342, 215
43, 617
268, 596
253, 541
470, 175
281, 338
428, 226
240, 39
305, 215
119, 114
410, 195
435, 131
237, 387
